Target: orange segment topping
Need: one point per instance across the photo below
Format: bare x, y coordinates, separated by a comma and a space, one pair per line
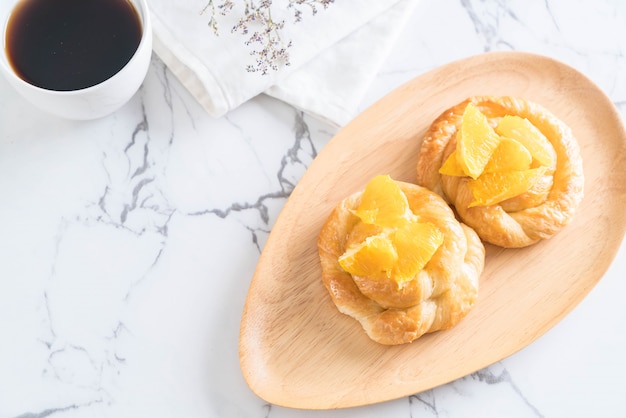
503, 162
492, 188
401, 246
476, 142
451, 166
527, 134
416, 243
375, 258
383, 203
510, 155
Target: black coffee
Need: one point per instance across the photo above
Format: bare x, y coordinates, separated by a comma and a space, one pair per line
71, 44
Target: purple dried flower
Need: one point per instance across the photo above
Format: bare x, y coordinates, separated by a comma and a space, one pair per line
273, 51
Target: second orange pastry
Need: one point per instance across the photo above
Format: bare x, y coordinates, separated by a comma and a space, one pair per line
511, 169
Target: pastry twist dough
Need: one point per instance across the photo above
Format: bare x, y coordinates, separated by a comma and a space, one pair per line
523, 220
436, 299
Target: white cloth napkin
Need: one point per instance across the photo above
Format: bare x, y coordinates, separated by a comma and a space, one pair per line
333, 58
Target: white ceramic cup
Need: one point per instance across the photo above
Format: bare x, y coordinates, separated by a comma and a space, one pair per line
91, 102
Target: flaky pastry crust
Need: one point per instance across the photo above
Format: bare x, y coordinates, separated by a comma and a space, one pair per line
436, 299
526, 219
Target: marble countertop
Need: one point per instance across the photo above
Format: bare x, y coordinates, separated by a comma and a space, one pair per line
128, 243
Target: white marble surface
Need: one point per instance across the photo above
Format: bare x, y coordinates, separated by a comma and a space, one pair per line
127, 244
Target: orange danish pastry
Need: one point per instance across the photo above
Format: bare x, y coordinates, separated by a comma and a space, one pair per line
511, 169
395, 258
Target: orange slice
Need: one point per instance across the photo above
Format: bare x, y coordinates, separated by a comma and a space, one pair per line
492, 188
389, 242
416, 243
530, 136
451, 166
510, 155
476, 143
374, 258
383, 203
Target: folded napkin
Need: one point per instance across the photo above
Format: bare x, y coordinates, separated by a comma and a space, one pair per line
333, 58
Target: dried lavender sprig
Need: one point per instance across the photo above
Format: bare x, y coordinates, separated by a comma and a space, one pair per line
223, 8
312, 5
273, 51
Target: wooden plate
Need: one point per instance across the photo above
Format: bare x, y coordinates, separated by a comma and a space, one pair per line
297, 350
